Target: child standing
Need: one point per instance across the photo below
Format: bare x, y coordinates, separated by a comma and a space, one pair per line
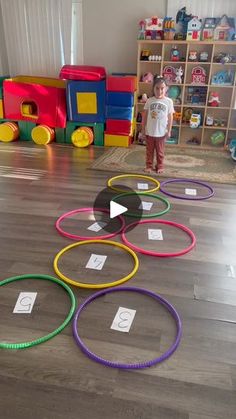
157, 124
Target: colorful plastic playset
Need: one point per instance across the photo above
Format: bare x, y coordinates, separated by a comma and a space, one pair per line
83, 106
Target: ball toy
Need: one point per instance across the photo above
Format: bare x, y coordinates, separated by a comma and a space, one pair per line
217, 138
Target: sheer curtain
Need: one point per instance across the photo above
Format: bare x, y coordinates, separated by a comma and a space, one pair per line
39, 35
203, 8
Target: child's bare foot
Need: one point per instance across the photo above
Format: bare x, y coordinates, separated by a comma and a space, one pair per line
148, 170
159, 171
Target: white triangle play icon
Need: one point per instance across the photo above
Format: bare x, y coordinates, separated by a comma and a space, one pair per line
116, 209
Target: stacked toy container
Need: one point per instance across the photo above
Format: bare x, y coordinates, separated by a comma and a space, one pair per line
120, 100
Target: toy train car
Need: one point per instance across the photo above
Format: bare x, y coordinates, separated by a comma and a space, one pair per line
82, 106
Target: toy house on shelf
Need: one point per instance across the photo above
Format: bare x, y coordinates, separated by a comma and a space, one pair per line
198, 75
208, 28
169, 74
225, 29
151, 28
194, 29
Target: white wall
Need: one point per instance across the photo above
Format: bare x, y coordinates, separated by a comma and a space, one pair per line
203, 8
110, 30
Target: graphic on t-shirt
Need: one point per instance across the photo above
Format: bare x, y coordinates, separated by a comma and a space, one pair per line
156, 109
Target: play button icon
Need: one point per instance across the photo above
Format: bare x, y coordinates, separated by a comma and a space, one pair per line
116, 209
117, 205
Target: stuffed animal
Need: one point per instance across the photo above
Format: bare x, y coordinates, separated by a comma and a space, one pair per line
179, 73
214, 99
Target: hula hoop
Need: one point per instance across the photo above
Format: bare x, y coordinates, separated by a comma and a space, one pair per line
145, 364
76, 237
160, 198
96, 286
35, 342
193, 198
155, 181
151, 253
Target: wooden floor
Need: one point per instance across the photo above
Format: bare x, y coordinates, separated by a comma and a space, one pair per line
55, 380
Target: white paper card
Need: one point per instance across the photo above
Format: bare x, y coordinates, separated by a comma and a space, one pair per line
143, 186
123, 319
190, 191
96, 261
146, 205
155, 234
25, 302
97, 226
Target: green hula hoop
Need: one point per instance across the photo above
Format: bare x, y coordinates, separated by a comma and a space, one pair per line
160, 198
24, 345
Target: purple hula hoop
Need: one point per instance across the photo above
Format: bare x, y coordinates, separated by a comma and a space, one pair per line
145, 364
198, 198
75, 236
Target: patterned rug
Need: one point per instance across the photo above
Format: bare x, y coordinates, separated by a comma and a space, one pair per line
214, 166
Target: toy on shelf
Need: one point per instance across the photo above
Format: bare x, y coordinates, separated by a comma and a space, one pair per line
187, 113
182, 19
203, 56
156, 58
173, 139
141, 31
196, 95
177, 117
217, 138
139, 118
208, 29
193, 141
224, 58
219, 122
179, 74
192, 56
169, 74
195, 120
232, 148
214, 99
144, 98
225, 29
194, 29
174, 92
145, 54
174, 54
225, 78
169, 28
209, 120
147, 78
154, 28
198, 75
141, 139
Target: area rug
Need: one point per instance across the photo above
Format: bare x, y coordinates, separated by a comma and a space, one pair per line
209, 165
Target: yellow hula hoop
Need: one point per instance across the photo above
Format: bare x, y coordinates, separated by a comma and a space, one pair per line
96, 286
157, 183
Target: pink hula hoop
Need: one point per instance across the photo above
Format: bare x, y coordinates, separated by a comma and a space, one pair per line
75, 236
150, 252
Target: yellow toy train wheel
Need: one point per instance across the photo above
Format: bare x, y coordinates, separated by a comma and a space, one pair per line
42, 134
82, 137
9, 131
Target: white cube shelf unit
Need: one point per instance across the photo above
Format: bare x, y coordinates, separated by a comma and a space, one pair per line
200, 79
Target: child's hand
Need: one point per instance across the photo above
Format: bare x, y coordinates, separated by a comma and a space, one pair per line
168, 134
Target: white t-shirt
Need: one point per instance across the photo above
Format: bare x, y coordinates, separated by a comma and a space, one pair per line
157, 115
